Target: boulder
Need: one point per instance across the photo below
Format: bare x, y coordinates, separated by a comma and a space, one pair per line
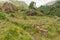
8, 7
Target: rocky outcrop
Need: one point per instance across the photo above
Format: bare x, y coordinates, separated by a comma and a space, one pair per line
8, 7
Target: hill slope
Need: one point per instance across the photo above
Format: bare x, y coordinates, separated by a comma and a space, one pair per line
14, 26
52, 9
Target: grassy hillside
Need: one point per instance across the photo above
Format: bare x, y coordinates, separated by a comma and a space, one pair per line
18, 25
31, 28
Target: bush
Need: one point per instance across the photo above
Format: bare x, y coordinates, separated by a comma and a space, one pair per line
13, 32
3, 15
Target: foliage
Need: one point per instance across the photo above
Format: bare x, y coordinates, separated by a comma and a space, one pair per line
13, 32
32, 5
3, 15
51, 10
39, 26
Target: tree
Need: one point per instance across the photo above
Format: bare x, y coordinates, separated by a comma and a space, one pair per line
32, 5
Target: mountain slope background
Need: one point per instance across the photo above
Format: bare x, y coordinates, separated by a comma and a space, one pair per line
52, 9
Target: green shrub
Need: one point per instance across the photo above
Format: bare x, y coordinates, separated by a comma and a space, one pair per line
24, 16
13, 32
3, 15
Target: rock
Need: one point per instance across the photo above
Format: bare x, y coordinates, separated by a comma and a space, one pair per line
31, 12
8, 7
44, 32
55, 17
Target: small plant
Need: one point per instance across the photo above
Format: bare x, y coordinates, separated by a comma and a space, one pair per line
2, 15
24, 16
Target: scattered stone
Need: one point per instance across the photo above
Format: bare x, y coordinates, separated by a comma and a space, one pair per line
44, 32
31, 12
55, 17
